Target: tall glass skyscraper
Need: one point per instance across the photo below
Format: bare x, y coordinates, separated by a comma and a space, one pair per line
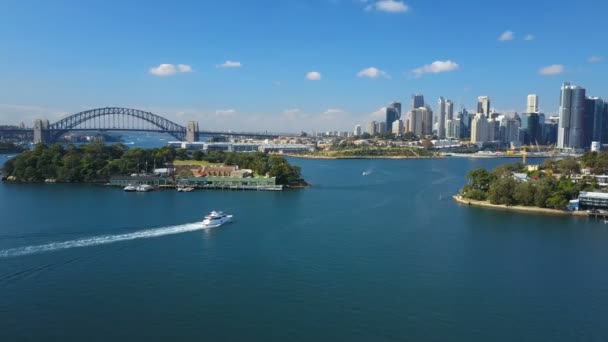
393, 113
571, 112
417, 101
441, 119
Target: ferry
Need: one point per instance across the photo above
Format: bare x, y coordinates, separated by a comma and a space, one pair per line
130, 188
216, 219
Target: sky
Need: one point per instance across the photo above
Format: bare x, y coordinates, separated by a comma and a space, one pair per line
291, 65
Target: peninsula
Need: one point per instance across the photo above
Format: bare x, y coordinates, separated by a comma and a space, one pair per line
99, 163
552, 187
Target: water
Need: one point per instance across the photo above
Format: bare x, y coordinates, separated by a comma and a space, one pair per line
383, 257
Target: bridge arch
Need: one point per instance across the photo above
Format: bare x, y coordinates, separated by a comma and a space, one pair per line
115, 118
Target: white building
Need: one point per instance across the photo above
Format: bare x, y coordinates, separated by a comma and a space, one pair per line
483, 105
371, 128
532, 104
358, 131
441, 118
479, 129
398, 128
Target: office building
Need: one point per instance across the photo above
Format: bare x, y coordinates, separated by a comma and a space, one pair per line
453, 128
441, 117
532, 104
508, 130
393, 113
483, 105
593, 121
381, 127
571, 112
397, 127
427, 120
414, 122
357, 132
417, 101
371, 128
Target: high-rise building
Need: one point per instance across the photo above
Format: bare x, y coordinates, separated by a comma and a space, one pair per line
441, 118
393, 113
509, 130
397, 127
357, 132
427, 120
534, 132
479, 129
381, 127
571, 112
371, 128
414, 122
532, 104
417, 101
593, 120
483, 105
449, 110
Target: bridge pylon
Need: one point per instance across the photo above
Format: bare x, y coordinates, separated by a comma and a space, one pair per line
41, 131
192, 133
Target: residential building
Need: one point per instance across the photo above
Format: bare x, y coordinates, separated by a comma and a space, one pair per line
571, 112
479, 129
441, 118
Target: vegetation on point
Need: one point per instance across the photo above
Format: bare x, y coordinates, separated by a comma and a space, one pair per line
550, 186
97, 162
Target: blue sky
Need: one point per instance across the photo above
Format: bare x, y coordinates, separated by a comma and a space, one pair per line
60, 57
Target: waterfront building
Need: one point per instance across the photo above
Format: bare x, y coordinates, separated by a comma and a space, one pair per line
593, 200
441, 117
571, 112
397, 127
533, 129
479, 129
393, 113
532, 104
417, 101
483, 105
371, 128
357, 131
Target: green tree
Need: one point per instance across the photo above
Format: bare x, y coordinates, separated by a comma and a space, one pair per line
502, 191
524, 193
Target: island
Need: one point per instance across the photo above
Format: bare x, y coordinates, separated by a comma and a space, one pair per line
159, 167
553, 187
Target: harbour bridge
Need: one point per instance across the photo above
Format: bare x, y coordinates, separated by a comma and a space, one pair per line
119, 119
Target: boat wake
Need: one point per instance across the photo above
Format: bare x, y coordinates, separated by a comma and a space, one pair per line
100, 240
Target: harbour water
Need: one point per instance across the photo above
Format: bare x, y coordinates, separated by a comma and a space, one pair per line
383, 257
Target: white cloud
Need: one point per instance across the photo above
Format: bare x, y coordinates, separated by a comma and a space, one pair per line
378, 115
436, 68
332, 111
391, 6
506, 36
596, 59
169, 69
184, 68
313, 76
225, 112
230, 64
550, 70
372, 72
529, 37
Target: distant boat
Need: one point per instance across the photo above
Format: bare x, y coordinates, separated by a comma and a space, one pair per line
366, 173
144, 188
130, 188
216, 219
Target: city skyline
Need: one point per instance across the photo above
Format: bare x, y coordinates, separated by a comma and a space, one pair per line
251, 76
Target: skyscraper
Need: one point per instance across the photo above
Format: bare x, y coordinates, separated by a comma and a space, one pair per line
393, 113
441, 118
532, 104
427, 120
483, 105
449, 110
479, 129
397, 127
571, 112
593, 120
357, 131
417, 101
415, 119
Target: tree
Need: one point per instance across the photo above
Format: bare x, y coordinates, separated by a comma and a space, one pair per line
524, 193
502, 191
544, 189
568, 166
198, 155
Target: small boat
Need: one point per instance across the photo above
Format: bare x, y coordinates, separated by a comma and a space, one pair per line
144, 188
185, 189
130, 188
216, 219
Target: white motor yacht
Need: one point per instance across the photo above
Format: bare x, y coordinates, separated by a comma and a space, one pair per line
144, 188
130, 188
216, 219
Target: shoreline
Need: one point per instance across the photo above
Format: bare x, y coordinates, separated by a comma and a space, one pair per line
361, 157
518, 208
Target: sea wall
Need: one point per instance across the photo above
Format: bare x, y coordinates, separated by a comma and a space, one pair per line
518, 208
